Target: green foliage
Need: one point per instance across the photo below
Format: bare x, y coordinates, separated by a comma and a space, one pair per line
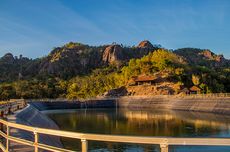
195, 79
96, 82
157, 61
7, 92
163, 59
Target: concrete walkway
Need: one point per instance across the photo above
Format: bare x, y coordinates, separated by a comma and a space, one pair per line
17, 147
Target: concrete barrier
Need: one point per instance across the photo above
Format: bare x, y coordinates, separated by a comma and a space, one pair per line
213, 104
31, 116
220, 105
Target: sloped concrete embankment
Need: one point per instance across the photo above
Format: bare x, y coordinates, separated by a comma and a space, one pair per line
33, 117
136, 102
55, 105
220, 105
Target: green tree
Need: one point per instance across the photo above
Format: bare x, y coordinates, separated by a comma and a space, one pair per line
7, 91
196, 79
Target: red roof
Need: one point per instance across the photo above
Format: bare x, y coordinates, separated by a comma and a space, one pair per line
194, 88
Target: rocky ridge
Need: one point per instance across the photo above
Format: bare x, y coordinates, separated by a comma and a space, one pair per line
78, 59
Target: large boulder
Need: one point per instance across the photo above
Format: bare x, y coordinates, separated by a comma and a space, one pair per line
113, 54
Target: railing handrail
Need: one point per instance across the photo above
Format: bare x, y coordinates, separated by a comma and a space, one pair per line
164, 142
84, 137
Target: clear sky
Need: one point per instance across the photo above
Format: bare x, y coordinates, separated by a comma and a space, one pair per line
34, 27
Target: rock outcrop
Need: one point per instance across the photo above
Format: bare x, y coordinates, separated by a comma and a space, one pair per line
116, 54
113, 54
145, 44
71, 60
203, 57
75, 58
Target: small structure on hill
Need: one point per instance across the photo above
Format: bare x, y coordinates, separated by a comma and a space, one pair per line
142, 80
195, 90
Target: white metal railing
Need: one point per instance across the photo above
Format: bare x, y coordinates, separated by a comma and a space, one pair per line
164, 142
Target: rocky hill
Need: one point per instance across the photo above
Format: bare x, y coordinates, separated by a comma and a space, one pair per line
78, 70
12, 68
203, 57
70, 60
79, 59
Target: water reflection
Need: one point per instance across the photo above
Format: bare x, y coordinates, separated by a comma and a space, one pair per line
141, 123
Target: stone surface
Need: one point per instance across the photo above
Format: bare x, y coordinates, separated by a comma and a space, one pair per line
113, 54
145, 44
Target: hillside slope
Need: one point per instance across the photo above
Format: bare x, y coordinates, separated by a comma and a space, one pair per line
70, 60
78, 70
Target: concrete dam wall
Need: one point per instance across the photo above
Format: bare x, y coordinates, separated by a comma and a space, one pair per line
54, 105
220, 105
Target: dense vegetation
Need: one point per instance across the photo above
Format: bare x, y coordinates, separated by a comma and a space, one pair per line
65, 80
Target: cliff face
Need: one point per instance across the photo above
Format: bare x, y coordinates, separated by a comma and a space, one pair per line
116, 54
113, 54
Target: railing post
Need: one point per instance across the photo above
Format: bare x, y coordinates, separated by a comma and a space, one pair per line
164, 147
7, 138
84, 145
35, 141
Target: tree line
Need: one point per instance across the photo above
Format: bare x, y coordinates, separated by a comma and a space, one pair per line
103, 79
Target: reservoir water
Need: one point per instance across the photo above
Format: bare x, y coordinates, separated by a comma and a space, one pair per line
141, 123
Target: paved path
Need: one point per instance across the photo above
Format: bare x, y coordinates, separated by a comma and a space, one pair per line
17, 147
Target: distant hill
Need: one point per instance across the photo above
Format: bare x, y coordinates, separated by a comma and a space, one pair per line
70, 60
203, 57
78, 70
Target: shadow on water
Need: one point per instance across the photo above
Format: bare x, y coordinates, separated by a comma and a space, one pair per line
141, 123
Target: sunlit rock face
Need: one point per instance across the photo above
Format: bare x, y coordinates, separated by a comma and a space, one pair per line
145, 44
117, 54
113, 54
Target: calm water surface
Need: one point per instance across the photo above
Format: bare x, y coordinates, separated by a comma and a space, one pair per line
141, 123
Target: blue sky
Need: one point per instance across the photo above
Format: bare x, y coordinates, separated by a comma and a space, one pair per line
34, 27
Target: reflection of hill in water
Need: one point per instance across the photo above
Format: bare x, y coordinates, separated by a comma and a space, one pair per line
177, 123
143, 122
197, 118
